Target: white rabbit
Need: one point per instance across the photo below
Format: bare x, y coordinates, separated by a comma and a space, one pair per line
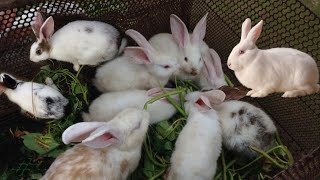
138, 68
109, 150
198, 146
106, 106
272, 70
244, 125
78, 42
197, 61
42, 101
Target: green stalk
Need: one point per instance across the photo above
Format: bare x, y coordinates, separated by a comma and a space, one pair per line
261, 156
218, 176
77, 75
231, 175
158, 175
169, 99
228, 80
148, 151
268, 157
224, 165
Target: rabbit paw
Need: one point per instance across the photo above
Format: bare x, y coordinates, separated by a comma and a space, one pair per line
294, 93
251, 92
76, 67
260, 93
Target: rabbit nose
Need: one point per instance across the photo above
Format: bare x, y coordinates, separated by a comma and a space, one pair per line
193, 72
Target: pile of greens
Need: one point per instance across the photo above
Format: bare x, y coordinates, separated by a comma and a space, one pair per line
40, 149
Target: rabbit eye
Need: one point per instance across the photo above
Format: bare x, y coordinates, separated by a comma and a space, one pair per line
38, 51
241, 51
186, 59
166, 66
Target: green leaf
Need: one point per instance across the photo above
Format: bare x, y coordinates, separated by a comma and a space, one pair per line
39, 143
36, 176
168, 145
55, 77
55, 153
46, 67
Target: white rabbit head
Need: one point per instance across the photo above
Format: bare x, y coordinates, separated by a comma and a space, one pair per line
246, 51
201, 101
158, 64
125, 128
40, 50
192, 61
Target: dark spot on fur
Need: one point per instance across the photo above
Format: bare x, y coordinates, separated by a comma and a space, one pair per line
253, 119
49, 100
233, 114
88, 30
242, 111
267, 140
44, 45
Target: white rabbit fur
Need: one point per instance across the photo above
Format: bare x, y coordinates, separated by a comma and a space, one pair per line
106, 106
138, 68
42, 101
79, 42
272, 70
244, 125
198, 146
197, 62
109, 150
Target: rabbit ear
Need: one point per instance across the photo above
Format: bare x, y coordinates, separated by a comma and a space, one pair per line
37, 24
214, 96
103, 137
47, 29
246, 27
202, 104
139, 39
138, 54
179, 31
80, 131
199, 31
212, 66
255, 32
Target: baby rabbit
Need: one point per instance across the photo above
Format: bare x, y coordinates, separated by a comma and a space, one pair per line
197, 61
109, 150
78, 42
139, 68
106, 106
199, 143
244, 125
272, 70
42, 101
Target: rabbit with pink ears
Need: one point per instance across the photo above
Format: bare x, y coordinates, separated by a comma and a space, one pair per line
198, 146
79, 42
109, 150
198, 62
272, 70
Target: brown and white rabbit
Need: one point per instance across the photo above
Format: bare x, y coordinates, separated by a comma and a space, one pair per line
267, 71
244, 125
79, 42
109, 150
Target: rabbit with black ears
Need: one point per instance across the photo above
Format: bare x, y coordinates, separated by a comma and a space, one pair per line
106, 106
198, 62
272, 70
42, 101
79, 42
109, 150
198, 146
138, 68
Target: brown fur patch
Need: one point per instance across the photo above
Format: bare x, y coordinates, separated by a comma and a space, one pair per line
45, 46
123, 165
233, 114
88, 29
